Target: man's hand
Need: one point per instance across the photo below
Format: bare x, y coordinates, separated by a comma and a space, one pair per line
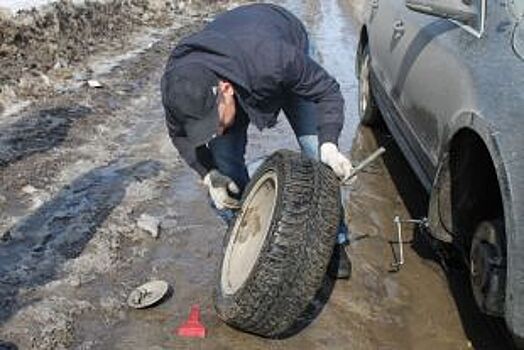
219, 186
331, 156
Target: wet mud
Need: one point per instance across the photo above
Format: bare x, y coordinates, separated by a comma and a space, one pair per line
80, 167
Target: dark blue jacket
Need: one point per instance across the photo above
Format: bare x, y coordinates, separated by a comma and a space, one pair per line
263, 50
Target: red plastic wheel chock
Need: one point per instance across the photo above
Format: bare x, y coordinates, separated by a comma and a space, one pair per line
192, 328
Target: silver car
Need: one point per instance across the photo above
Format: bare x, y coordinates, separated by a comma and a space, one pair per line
447, 76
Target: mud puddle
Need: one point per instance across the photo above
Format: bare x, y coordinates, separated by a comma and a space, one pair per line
98, 159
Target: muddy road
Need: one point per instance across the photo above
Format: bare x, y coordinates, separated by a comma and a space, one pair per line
79, 168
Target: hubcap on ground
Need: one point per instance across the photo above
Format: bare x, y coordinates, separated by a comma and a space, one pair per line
249, 233
488, 269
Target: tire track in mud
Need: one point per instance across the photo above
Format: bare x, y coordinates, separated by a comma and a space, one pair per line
37, 133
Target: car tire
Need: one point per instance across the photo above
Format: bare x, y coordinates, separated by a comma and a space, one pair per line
367, 108
277, 251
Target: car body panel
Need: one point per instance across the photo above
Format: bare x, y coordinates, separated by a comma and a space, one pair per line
518, 40
432, 80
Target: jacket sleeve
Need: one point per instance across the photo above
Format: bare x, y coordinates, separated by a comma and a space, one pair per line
199, 159
306, 78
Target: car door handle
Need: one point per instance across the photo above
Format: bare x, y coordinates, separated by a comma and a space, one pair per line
398, 28
398, 25
374, 4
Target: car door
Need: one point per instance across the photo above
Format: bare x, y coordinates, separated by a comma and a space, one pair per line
382, 15
431, 60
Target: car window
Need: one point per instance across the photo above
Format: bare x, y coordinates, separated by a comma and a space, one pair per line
517, 7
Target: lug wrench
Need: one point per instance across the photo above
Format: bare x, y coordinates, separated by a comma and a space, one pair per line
364, 164
361, 166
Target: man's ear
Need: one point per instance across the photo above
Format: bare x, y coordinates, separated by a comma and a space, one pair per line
226, 88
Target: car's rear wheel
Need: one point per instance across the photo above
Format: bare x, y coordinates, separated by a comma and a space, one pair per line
278, 250
367, 107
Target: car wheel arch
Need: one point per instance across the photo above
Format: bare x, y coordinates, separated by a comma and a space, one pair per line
477, 126
474, 125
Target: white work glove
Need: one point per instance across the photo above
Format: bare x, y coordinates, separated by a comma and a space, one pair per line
331, 156
219, 186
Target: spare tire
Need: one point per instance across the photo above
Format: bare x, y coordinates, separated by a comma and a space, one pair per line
277, 251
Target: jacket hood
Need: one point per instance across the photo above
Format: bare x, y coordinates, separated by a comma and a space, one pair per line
216, 52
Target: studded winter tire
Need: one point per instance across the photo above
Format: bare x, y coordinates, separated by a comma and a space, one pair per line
277, 251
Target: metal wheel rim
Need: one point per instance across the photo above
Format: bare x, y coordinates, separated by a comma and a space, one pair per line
249, 233
485, 250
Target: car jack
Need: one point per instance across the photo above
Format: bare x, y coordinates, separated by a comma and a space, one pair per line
422, 223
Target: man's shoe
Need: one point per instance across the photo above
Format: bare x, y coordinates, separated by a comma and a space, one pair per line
340, 263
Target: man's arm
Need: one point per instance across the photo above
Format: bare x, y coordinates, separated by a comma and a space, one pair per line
306, 78
199, 159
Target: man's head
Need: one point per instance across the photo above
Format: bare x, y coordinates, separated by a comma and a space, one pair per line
199, 101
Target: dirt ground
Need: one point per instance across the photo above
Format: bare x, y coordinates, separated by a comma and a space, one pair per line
79, 166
